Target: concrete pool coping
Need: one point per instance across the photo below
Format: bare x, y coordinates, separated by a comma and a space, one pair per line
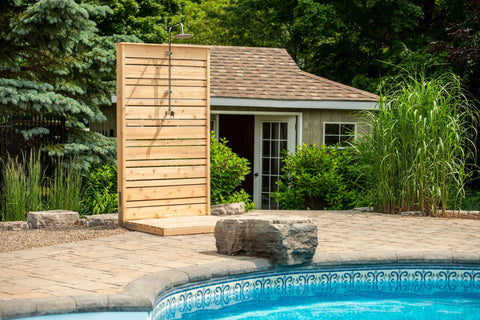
140, 295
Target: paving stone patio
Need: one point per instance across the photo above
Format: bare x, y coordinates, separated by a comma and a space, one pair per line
106, 266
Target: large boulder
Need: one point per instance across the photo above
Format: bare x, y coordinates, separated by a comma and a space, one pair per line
286, 240
52, 219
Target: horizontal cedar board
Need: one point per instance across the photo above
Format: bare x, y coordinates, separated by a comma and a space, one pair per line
153, 143
168, 122
163, 193
165, 173
164, 132
197, 161
163, 183
143, 153
142, 92
175, 103
164, 62
165, 212
167, 202
154, 72
155, 112
158, 51
164, 82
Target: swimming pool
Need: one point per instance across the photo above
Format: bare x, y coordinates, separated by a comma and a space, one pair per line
396, 291
354, 292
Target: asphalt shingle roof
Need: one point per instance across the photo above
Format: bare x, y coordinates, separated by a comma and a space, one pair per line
270, 73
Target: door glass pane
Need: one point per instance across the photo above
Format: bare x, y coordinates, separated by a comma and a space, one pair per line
275, 130
265, 201
265, 165
283, 146
275, 149
265, 183
283, 130
273, 184
275, 166
266, 130
266, 149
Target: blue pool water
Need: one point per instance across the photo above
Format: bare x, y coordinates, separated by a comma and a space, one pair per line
356, 292
360, 293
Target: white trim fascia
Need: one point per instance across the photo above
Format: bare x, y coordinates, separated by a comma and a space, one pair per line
256, 113
301, 104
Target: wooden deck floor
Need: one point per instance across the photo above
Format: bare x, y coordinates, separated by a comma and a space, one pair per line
174, 226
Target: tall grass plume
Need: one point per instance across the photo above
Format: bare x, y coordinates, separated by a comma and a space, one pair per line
416, 151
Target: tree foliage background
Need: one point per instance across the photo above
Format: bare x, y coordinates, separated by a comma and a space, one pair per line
57, 56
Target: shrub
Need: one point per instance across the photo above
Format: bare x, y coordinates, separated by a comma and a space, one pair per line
227, 172
318, 178
415, 153
100, 191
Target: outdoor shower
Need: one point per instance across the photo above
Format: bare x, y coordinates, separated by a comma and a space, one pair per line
182, 35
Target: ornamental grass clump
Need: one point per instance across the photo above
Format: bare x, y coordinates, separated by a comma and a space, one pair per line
64, 189
415, 153
22, 187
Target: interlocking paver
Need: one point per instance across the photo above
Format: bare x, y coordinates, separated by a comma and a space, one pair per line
107, 265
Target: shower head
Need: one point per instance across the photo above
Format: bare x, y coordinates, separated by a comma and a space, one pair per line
183, 35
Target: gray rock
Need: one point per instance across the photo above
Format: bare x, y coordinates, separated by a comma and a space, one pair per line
363, 209
412, 213
227, 209
13, 225
52, 219
105, 220
286, 240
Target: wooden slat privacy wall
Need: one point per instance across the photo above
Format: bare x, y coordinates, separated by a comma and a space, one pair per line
163, 162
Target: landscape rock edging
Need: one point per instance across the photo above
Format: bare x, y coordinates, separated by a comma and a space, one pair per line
52, 219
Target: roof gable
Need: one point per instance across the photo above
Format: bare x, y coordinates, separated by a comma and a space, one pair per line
270, 73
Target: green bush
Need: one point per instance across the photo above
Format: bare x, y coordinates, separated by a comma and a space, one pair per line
318, 178
100, 190
227, 172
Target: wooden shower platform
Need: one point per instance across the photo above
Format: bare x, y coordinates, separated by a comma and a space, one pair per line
174, 226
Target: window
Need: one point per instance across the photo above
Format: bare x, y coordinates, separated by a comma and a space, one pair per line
338, 132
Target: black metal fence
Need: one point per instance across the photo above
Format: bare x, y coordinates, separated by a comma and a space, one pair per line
13, 142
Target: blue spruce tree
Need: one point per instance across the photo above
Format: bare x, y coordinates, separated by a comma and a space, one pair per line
54, 63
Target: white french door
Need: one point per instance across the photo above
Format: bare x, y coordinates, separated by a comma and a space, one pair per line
273, 134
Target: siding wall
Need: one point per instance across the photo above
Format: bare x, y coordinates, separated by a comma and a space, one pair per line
313, 119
